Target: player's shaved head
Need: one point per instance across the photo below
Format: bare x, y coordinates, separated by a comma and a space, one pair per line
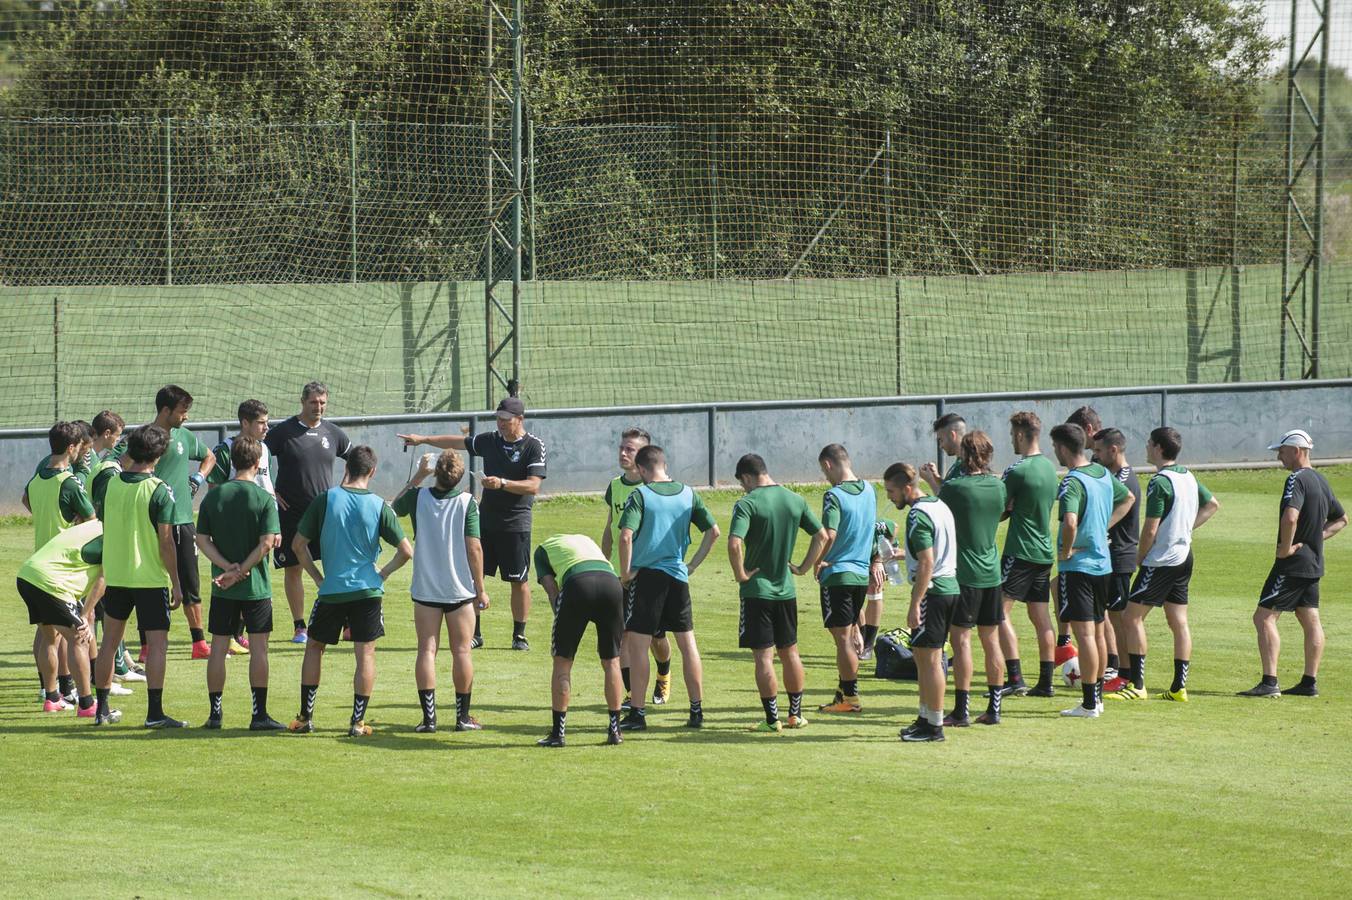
901, 474
751, 465
1069, 437
835, 454
651, 457
361, 461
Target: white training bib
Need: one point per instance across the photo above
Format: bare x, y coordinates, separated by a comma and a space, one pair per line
1173, 539
441, 565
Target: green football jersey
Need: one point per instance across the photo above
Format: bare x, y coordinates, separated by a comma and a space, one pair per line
978, 503
768, 520
235, 516
1030, 487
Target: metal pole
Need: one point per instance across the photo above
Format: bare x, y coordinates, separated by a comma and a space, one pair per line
1290, 173
1320, 170
518, 65
887, 232
898, 334
710, 421
490, 13
168, 202
56, 358
530, 155
1236, 298
713, 191
352, 159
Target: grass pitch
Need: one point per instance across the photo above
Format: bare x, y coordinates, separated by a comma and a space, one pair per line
1219, 796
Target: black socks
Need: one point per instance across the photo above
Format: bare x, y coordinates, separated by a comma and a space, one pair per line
428, 701
771, 705
1181, 675
260, 702
307, 700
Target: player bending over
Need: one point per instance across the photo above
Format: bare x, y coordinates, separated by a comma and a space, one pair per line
582, 588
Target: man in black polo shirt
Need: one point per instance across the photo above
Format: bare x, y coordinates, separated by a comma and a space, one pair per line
304, 448
1309, 515
514, 467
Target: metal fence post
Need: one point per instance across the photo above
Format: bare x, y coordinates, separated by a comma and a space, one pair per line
1164, 408
713, 194
352, 165
887, 215
168, 201
939, 407
713, 449
56, 358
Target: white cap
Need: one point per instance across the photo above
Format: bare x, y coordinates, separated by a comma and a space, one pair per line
1294, 438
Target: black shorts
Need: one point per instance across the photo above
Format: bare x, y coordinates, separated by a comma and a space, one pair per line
1158, 585
979, 606
589, 597
364, 617
1084, 597
658, 635
658, 603
506, 553
443, 607
1286, 593
1025, 581
936, 617
225, 616
283, 556
44, 609
185, 549
151, 606
767, 623
1119, 591
842, 604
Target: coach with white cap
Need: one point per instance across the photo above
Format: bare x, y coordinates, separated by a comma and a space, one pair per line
1309, 515
514, 467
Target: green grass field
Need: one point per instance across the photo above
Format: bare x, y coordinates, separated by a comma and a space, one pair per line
1221, 796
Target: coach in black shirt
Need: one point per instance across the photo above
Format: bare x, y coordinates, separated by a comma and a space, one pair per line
1309, 515
304, 449
514, 467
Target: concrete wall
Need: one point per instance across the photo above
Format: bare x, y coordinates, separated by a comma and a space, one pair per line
1230, 425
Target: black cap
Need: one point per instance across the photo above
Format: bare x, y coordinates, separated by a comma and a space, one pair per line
512, 406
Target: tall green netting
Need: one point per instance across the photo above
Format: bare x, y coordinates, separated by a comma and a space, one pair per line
724, 201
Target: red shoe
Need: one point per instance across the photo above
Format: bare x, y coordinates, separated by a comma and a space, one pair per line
142, 657
243, 641
1065, 654
88, 713
1112, 687
200, 650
